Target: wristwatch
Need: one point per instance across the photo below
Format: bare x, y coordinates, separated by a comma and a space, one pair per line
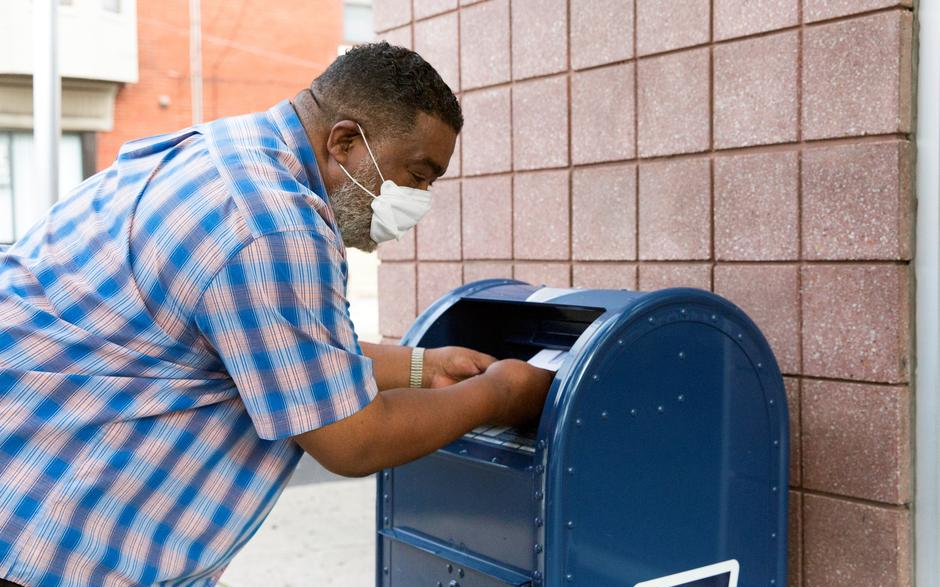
416, 379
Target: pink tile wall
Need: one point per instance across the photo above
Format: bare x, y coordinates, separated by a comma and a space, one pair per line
539, 37
853, 72
857, 201
439, 237
486, 141
675, 209
770, 295
540, 123
425, 8
487, 217
756, 91
759, 149
603, 213
541, 215
757, 208
433, 39
856, 440
662, 25
851, 543
604, 275
734, 18
602, 114
484, 40
673, 109
601, 32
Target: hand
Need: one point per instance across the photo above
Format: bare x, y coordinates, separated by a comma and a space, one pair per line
520, 391
451, 364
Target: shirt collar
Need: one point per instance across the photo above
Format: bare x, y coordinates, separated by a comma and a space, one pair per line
288, 124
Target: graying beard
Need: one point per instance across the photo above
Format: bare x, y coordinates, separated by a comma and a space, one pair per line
352, 207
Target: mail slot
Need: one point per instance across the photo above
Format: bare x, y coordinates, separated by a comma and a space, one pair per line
660, 458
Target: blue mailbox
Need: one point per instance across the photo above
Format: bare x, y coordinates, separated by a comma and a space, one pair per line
660, 460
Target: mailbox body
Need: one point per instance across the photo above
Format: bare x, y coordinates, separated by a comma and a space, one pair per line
662, 447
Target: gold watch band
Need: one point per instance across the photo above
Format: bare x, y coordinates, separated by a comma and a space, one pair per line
416, 378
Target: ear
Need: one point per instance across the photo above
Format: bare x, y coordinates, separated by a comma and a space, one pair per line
341, 140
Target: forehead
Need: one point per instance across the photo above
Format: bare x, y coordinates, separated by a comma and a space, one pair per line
431, 141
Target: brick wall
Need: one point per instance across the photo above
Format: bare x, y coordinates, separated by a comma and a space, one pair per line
757, 149
255, 54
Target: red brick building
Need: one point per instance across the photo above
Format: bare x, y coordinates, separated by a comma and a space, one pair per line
254, 54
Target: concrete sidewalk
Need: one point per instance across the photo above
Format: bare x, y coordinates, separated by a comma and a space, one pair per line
320, 532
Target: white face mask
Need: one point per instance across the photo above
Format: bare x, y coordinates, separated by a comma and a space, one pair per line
397, 208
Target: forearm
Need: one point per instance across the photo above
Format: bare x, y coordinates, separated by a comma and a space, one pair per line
401, 425
391, 364
416, 422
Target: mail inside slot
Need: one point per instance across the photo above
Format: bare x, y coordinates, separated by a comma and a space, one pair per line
516, 330
538, 333
504, 436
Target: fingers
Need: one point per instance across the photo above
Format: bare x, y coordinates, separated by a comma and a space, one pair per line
468, 362
482, 360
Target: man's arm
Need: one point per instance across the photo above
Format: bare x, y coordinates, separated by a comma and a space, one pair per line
391, 365
401, 425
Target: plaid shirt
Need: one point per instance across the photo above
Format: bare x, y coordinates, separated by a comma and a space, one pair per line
163, 333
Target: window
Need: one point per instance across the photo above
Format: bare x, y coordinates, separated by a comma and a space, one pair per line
6, 191
19, 208
357, 21
111, 5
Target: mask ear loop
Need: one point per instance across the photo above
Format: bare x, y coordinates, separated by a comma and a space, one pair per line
364, 188
370, 152
374, 162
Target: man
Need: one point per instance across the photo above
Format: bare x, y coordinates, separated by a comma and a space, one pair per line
175, 333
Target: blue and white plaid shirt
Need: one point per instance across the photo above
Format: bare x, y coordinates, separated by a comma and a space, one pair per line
163, 333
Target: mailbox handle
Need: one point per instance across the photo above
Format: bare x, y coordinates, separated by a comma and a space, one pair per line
468, 561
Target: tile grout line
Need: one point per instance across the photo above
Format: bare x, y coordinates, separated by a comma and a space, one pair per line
700, 261
711, 143
636, 151
873, 503
569, 88
789, 146
459, 178
415, 276
799, 284
512, 170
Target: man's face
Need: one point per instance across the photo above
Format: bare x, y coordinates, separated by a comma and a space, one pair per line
418, 158
414, 160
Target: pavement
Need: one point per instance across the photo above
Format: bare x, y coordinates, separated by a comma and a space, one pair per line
320, 532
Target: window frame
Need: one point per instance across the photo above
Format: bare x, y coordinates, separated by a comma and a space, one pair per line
87, 151
103, 4
6, 135
347, 42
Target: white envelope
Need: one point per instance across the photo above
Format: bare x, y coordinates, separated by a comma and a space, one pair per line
548, 359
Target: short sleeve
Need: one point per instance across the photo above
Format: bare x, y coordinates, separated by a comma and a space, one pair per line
277, 316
